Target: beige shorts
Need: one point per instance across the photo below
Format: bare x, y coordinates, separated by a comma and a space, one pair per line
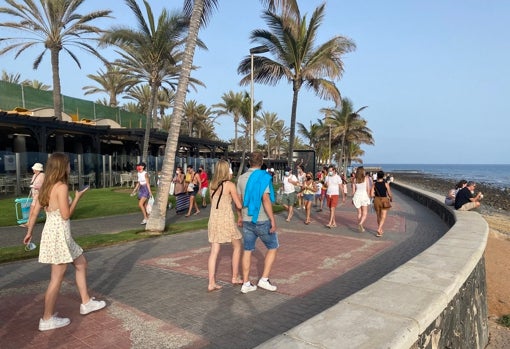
468, 206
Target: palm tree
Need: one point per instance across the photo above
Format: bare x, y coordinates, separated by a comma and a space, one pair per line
267, 122
195, 117
281, 133
142, 95
10, 77
113, 82
56, 25
312, 134
231, 104
298, 58
348, 127
150, 53
198, 11
36, 84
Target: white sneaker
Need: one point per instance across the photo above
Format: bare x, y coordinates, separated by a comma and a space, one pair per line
91, 306
266, 285
249, 288
144, 222
53, 323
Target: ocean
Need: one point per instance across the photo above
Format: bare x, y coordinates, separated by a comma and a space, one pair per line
493, 175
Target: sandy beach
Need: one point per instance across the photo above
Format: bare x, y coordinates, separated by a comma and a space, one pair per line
495, 209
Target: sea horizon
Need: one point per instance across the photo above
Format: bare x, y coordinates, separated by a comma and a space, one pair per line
497, 175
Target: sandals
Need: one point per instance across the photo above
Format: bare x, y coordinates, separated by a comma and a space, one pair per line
379, 234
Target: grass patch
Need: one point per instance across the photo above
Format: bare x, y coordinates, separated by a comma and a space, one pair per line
504, 320
95, 203
87, 242
98, 203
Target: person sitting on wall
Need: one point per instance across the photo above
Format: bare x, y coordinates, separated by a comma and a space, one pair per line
465, 199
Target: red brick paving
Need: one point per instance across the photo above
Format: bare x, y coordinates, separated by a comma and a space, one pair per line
113, 327
305, 260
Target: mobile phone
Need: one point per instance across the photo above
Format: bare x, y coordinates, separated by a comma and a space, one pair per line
83, 188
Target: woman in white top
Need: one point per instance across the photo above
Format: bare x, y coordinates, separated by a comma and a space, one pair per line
361, 198
333, 182
144, 190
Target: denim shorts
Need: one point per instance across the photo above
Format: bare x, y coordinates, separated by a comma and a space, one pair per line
252, 231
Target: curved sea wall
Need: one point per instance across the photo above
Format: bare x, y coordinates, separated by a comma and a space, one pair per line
436, 300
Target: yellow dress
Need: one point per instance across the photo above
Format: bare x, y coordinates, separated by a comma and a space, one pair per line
222, 227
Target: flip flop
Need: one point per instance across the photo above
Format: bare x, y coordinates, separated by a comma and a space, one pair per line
216, 288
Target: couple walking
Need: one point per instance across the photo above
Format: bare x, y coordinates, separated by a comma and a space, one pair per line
253, 198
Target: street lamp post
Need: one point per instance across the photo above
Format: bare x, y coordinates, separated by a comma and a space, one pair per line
254, 50
329, 154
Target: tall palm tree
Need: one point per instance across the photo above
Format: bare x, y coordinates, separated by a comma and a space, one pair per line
150, 53
311, 134
195, 117
281, 133
142, 95
348, 127
298, 57
113, 82
232, 104
57, 25
198, 12
267, 122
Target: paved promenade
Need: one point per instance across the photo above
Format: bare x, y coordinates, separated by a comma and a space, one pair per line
156, 289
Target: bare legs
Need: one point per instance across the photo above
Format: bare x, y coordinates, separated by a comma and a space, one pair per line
192, 204
141, 203
268, 264
213, 257
290, 210
362, 216
308, 208
381, 218
332, 218
57, 276
50, 298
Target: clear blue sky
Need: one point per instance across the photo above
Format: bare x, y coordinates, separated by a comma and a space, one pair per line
434, 74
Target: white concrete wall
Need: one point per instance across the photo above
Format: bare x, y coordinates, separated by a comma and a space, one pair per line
395, 310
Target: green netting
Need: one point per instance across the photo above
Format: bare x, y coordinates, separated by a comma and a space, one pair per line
14, 95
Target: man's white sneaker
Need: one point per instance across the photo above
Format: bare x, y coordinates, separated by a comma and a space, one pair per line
266, 285
91, 306
144, 221
53, 323
249, 288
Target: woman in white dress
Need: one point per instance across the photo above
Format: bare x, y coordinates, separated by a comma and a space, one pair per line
57, 245
361, 198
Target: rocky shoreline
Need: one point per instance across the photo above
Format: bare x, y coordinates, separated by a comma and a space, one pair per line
495, 200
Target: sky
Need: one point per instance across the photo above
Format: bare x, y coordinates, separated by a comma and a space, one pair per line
434, 75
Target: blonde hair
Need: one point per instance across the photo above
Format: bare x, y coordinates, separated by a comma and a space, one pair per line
360, 175
56, 171
221, 174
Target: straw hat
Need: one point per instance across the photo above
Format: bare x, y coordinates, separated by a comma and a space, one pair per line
38, 167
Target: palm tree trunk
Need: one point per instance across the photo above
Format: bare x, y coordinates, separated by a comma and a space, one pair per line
57, 99
157, 218
293, 124
148, 124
